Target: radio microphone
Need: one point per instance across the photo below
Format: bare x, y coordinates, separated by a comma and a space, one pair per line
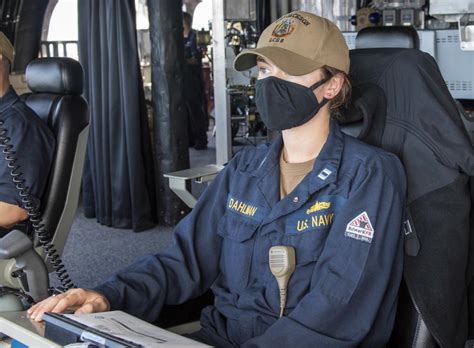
282, 265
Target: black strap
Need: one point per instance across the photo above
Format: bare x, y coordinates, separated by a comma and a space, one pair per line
319, 83
323, 102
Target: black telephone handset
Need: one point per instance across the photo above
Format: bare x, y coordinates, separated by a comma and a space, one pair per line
25, 275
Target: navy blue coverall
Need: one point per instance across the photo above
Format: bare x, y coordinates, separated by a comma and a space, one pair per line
33, 143
344, 221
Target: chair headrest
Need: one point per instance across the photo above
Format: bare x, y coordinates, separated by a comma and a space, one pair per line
55, 75
364, 100
366, 111
385, 37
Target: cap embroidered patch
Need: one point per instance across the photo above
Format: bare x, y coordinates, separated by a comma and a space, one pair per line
360, 228
284, 28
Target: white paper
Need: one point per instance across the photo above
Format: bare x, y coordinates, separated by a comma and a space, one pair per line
123, 325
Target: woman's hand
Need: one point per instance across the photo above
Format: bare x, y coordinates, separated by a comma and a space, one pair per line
81, 300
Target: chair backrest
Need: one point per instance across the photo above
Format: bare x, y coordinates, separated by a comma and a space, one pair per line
422, 126
385, 37
365, 117
57, 85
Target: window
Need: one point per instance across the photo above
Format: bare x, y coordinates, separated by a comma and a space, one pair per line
62, 31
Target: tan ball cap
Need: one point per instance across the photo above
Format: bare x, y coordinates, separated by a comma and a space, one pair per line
299, 43
6, 47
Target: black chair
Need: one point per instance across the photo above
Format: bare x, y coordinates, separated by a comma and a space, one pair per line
401, 103
56, 85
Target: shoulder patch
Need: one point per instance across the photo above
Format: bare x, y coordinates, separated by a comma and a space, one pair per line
360, 228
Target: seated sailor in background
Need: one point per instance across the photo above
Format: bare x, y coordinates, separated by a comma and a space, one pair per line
32, 145
316, 206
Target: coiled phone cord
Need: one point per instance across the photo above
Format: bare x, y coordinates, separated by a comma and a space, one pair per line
34, 214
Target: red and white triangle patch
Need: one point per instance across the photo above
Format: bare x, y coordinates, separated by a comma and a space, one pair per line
360, 228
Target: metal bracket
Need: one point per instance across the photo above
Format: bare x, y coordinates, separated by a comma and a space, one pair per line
179, 181
466, 31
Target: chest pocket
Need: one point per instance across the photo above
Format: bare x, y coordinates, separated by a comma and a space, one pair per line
308, 245
238, 243
307, 234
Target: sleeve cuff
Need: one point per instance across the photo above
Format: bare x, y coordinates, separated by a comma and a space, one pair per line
10, 195
111, 294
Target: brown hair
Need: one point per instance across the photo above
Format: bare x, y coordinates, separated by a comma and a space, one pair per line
188, 19
343, 98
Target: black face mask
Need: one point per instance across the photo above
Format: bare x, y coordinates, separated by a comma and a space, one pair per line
283, 104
